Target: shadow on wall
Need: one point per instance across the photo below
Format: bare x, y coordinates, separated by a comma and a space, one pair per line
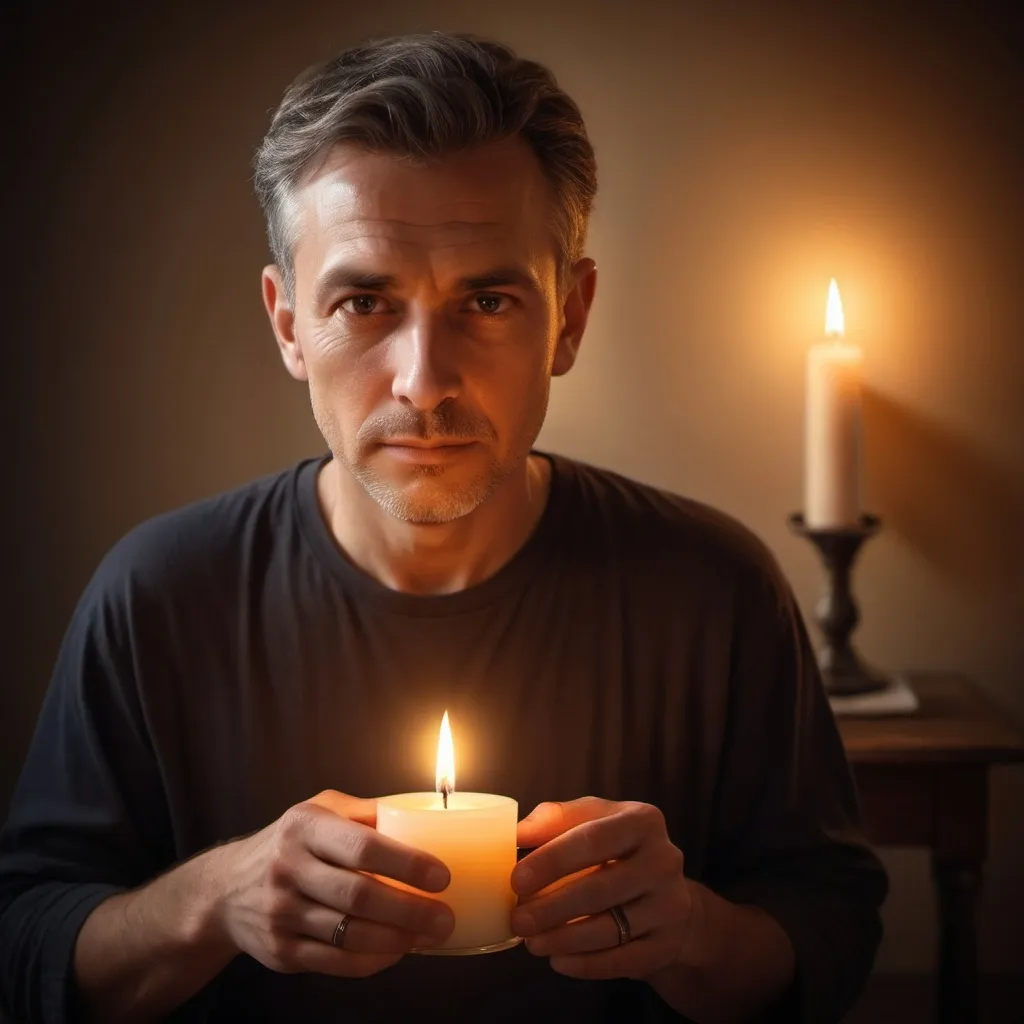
944, 497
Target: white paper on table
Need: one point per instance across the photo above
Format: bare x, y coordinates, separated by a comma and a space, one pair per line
898, 698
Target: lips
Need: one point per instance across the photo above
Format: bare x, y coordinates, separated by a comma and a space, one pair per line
416, 451
425, 445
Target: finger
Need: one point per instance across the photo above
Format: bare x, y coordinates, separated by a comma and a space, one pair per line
599, 931
308, 955
558, 883
315, 921
612, 884
345, 806
636, 959
552, 818
609, 886
349, 844
363, 896
597, 841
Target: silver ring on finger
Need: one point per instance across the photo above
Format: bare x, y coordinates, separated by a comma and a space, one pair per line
338, 938
622, 923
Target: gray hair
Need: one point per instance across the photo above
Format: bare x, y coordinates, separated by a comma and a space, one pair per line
425, 96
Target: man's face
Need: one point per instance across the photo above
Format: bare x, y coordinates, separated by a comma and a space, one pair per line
427, 320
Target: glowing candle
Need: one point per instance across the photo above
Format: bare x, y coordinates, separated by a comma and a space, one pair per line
474, 834
833, 430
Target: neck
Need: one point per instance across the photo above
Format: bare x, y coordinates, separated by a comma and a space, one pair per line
434, 559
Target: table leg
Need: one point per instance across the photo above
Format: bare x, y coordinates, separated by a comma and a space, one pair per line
958, 887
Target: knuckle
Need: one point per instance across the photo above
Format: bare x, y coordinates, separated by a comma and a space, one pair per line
278, 907
590, 842
550, 809
296, 822
675, 860
360, 897
358, 850
279, 869
651, 817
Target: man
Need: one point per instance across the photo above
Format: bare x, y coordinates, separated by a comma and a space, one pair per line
193, 833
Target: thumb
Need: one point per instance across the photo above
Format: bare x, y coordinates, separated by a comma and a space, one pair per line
345, 806
540, 826
551, 818
546, 821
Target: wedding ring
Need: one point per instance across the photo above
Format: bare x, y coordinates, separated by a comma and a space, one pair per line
338, 938
622, 922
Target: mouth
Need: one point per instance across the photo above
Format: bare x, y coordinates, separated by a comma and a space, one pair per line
420, 444
419, 451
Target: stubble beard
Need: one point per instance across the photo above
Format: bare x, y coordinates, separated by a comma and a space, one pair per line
440, 503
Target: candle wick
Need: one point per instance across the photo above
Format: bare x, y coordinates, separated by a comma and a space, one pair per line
444, 794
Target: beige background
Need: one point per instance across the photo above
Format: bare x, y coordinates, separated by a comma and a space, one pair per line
746, 155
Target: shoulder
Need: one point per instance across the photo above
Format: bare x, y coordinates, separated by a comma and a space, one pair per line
661, 532
208, 540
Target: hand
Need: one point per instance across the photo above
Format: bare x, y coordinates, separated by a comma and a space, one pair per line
286, 887
594, 855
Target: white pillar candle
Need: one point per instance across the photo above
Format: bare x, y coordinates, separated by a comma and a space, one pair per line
474, 834
833, 426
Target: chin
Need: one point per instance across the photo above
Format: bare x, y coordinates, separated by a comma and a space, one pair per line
435, 511
430, 500
430, 494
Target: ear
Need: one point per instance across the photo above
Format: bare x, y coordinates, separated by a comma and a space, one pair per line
282, 320
575, 310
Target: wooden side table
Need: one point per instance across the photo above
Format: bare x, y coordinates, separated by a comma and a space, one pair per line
923, 781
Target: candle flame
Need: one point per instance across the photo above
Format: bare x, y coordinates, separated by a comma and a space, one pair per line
445, 776
835, 323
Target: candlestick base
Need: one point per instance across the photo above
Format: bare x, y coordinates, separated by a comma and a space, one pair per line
842, 671
495, 947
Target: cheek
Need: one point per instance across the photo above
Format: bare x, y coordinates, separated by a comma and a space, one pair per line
348, 376
522, 377
516, 377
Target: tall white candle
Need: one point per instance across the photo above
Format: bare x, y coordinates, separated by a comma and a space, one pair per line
833, 425
474, 834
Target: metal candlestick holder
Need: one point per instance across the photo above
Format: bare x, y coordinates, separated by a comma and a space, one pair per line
836, 613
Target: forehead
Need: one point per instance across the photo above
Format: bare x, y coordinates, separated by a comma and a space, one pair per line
476, 205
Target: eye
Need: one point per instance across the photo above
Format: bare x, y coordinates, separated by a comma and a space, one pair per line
362, 305
491, 303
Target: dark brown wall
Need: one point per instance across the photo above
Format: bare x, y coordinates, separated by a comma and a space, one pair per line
748, 152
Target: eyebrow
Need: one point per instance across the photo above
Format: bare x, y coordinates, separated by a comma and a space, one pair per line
500, 277
351, 277
344, 276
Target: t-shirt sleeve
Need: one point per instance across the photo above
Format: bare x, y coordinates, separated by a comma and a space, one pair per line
88, 817
786, 834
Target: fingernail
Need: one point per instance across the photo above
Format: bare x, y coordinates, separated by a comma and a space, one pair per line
522, 879
523, 922
441, 923
437, 878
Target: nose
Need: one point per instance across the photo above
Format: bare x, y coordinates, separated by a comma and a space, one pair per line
425, 363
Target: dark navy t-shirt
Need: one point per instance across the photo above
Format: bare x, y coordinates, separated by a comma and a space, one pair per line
227, 661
